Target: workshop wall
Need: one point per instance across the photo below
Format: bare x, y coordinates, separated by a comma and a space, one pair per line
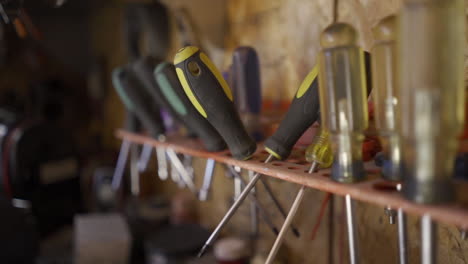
285, 34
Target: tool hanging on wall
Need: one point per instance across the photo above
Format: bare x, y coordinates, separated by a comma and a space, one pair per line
196, 72
147, 31
143, 69
139, 100
298, 119
431, 80
343, 108
320, 155
386, 97
244, 79
139, 104
166, 77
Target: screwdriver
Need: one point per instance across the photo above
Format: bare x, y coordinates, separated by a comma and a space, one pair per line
386, 108
319, 153
137, 98
171, 89
245, 83
431, 79
211, 96
138, 103
343, 108
143, 69
302, 113
166, 76
244, 80
198, 73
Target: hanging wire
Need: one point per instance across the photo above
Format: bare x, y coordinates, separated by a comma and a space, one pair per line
335, 11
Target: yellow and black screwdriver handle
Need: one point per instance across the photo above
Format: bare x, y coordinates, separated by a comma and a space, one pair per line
211, 96
302, 113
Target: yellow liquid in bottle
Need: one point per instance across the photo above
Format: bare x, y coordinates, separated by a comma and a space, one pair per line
386, 95
431, 54
343, 102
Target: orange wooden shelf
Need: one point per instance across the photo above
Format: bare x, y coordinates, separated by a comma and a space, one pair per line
374, 190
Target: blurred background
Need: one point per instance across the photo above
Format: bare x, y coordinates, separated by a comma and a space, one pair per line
59, 113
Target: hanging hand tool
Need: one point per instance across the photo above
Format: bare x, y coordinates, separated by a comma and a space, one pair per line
244, 80
320, 154
211, 96
431, 78
143, 69
343, 106
166, 77
302, 113
263, 213
139, 104
171, 89
386, 109
137, 99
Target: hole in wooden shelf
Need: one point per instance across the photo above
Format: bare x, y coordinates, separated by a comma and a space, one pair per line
276, 164
325, 175
293, 168
386, 186
292, 160
302, 162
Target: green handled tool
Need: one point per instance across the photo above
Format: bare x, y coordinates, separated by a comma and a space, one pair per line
171, 89
137, 102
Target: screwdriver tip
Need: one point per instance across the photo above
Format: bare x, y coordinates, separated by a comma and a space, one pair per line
296, 232
202, 251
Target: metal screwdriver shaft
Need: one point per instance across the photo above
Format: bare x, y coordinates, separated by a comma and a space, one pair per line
289, 218
343, 105
232, 210
428, 240
351, 226
256, 203
278, 204
320, 154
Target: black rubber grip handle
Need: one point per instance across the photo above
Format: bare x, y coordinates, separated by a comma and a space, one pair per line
302, 113
143, 69
166, 77
137, 101
210, 95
